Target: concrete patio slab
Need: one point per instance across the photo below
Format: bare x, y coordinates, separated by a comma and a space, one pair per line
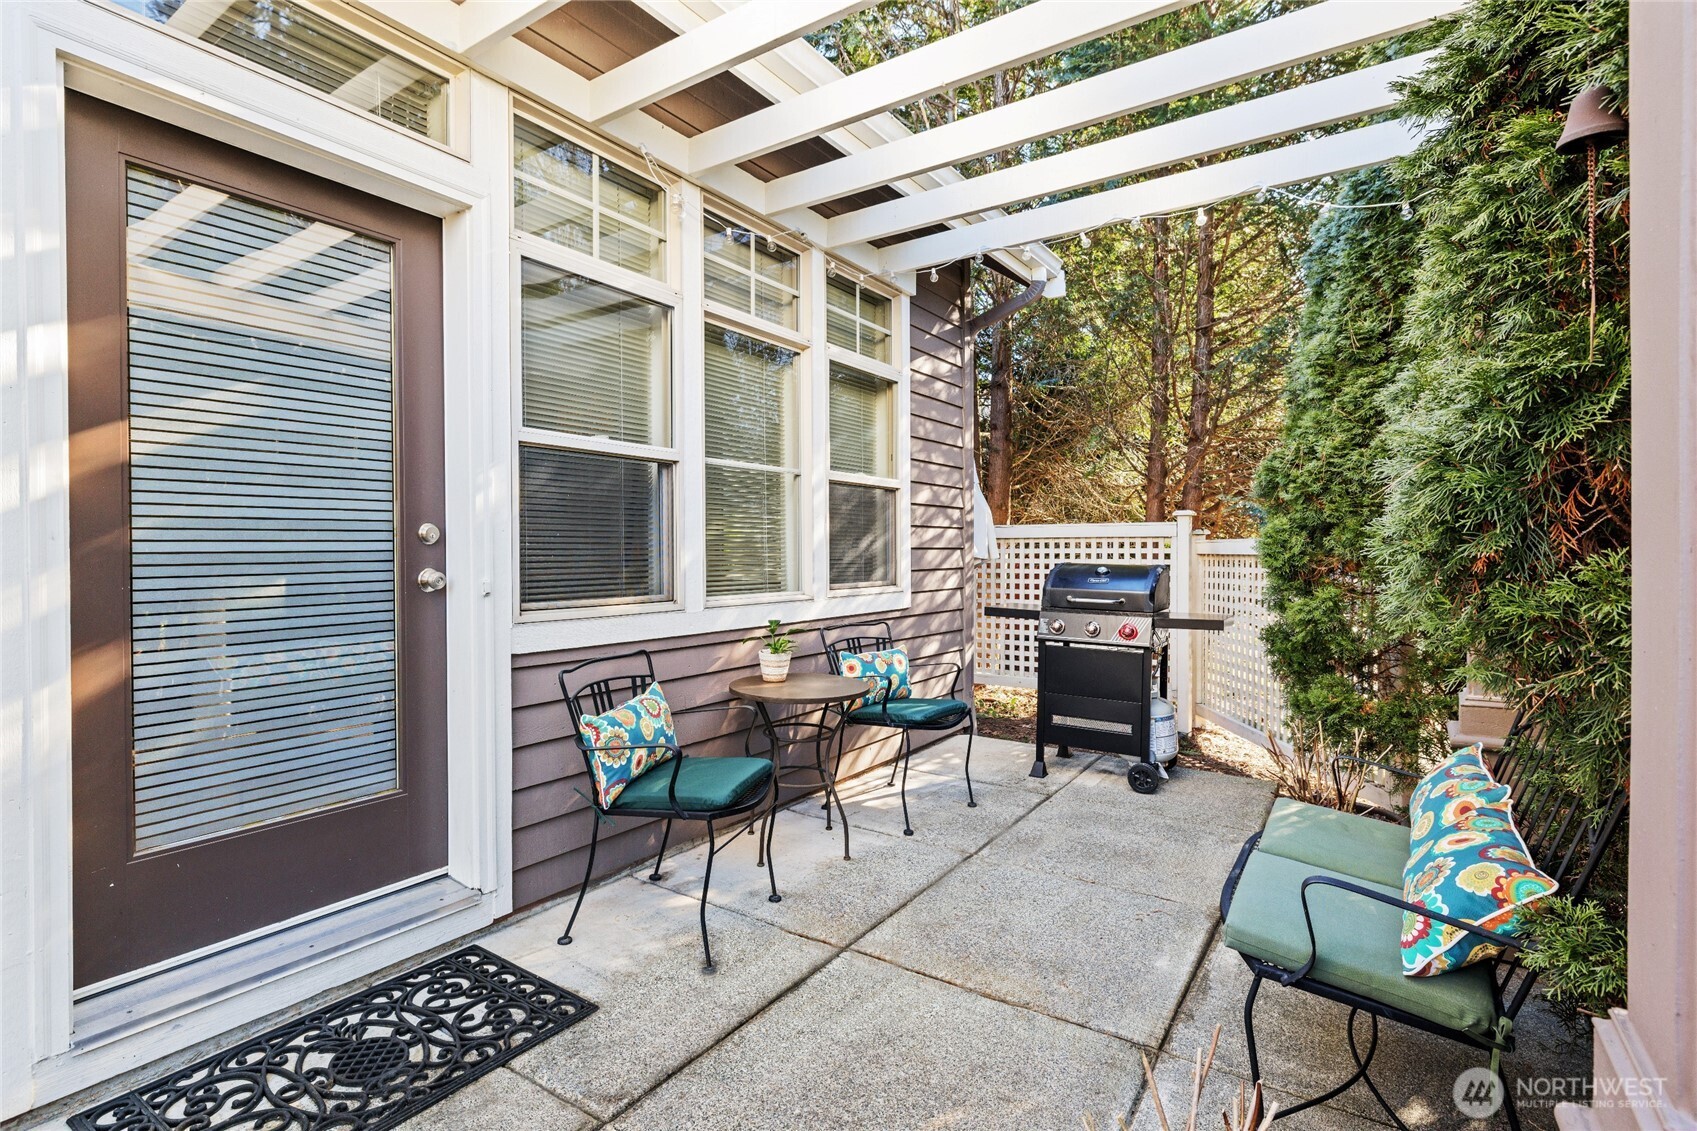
997, 761
502, 1099
825, 897
637, 954
937, 806
1301, 1039
1173, 846
1087, 953
1174, 1076
866, 1045
1226, 804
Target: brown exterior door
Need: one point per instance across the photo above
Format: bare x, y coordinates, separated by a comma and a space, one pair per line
256, 418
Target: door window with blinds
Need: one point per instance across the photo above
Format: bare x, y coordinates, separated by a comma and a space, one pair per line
751, 473
296, 42
595, 454
262, 493
863, 483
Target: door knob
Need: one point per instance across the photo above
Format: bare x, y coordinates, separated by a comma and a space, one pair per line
432, 580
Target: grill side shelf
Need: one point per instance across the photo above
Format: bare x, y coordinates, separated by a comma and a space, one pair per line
1204, 623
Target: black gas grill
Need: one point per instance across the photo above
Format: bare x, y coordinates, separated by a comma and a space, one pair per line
1102, 635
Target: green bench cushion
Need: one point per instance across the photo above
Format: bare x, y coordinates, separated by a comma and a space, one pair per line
913, 713
704, 785
1345, 843
1359, 943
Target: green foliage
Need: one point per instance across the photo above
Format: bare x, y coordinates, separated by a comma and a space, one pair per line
1506, 530
1581, 953
1507, 515
1344, 668
776, 638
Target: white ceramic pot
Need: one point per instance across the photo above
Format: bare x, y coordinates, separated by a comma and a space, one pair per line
774, 666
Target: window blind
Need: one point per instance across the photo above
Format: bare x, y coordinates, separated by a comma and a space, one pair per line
574, 197
295, 41
862, 536
750, 539
857, 319
262, 498
594, 360
860, 423
750, 273
592, 529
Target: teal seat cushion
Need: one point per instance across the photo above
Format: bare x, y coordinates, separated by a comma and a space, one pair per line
1359, 943
913, 713
1338, 842
704, 785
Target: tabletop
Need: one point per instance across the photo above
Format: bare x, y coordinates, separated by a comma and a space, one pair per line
802, 687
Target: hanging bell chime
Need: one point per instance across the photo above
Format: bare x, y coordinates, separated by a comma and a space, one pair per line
1589, 122
1591, 126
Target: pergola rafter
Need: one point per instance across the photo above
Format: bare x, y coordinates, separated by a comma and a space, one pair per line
762, 44
1335, 25
1178, 192
718, 45
1006, 41
1355, 95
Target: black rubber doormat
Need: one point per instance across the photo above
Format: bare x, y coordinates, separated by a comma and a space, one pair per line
366, 1063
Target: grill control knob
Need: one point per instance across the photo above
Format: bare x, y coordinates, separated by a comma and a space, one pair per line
1091, 628
1128, 631
1057, 626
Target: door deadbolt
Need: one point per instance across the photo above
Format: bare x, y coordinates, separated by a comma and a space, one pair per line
432, 580
430, 534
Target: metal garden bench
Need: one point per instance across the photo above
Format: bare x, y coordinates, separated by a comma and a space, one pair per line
1314, 902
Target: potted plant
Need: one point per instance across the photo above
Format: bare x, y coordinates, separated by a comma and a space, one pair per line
775, 655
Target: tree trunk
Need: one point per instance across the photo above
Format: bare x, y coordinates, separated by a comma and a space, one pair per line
998, 427
1160, 384
1199, 428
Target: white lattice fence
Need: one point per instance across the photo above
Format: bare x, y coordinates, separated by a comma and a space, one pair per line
1006, 648
1235, 686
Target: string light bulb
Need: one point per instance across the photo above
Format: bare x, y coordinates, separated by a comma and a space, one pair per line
1084, 240
933, 274
1202, 217
979, 259
1407, 210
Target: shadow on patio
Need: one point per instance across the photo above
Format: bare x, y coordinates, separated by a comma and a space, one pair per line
1006, 967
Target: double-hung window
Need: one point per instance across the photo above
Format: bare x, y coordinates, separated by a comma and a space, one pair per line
597, 460
857, 319
752, 370
863, 479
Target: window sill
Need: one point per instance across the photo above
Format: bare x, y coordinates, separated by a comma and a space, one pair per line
634, 628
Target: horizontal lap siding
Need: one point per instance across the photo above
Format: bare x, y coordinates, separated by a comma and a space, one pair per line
551, 815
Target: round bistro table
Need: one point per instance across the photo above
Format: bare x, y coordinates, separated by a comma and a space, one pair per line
808, 691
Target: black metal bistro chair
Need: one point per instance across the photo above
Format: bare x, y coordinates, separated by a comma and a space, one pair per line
906, 715
1310, 912
683, 788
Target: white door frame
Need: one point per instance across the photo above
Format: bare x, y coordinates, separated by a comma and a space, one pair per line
47, 47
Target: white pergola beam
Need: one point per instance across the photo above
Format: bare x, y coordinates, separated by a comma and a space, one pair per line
1335, 25
718, 45
1028, 33
1324, 103
1180, 192
483, 22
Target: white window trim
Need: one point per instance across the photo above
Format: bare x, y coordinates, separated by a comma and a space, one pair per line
694, 613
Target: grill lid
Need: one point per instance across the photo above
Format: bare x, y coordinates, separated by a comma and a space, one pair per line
1116, 588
